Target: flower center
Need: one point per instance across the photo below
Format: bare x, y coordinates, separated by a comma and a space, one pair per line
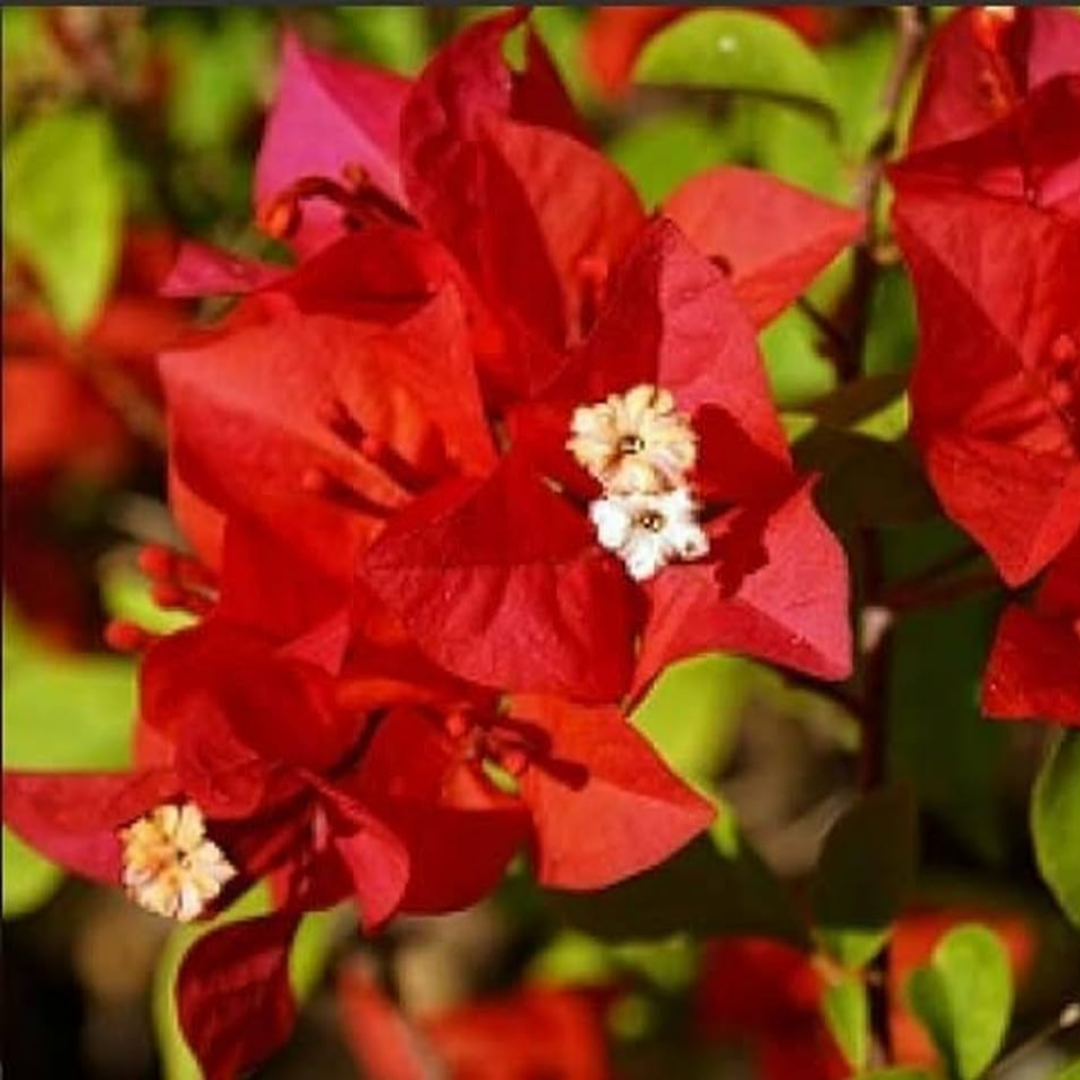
652, 520
169, 867
634, 443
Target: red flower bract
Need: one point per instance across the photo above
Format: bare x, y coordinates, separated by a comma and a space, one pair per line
989, 227
1034, 669
544, 608
539, 1031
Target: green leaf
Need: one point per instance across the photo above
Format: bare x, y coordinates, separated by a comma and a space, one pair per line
1055, 822
864, 873
735, 50
964, 998
716, 886
798, 146
797, 371
61, 711
859, 65
662, 151
896, 1074
865, 482
1070, 1072
126, 595
63, 207
939, 742
691, 715
892, 333
390, 36
29, 880
846, 1009
220, 74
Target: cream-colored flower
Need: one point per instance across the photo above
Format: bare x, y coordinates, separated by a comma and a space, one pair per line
169, 866
649, 531
634, 443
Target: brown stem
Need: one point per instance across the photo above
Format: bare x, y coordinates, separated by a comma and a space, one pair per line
876, 624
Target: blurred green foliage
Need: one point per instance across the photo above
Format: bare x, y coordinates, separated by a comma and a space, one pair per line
964, 998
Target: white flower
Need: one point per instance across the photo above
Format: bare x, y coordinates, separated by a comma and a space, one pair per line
169, 867
635, 442
649, 531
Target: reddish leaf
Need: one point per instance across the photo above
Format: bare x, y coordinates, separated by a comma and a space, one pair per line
501, 582
604, 805
573, 214
994, 392
385, 1044
329, 113
459, 831
373, 856
984, 61
772, 238
671, 319
774, 586
73, 818
233, 996
1034, 668
202, 270
465, 85
251, 425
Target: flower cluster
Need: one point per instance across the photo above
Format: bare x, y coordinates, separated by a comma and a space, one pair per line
458, 485
641, 449
988, 215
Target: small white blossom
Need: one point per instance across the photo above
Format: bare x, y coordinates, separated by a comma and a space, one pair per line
636, 442
169, 866
649, 531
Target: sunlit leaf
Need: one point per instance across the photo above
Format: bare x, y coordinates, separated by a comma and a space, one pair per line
691, 715
61, 711
1055, 823
735, 50
846, 1010
62, 209
390, 36
964, 998
29, 880
660, 152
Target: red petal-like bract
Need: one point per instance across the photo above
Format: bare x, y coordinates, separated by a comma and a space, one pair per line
202, 270
604, 805
73, 818
233, 996
994, 255
329, 114
774, 586
774, 238
984, 61
538, 1032
412, 776
769, 995
502, 582
253, 417
1034, 668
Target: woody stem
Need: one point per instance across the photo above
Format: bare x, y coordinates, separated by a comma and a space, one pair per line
876, 625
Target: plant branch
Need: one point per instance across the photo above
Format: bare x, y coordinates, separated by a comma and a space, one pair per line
876, 624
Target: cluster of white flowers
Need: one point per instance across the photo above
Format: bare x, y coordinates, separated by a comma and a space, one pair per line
641, 449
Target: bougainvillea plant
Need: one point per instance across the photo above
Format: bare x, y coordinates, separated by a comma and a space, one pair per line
481, 446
